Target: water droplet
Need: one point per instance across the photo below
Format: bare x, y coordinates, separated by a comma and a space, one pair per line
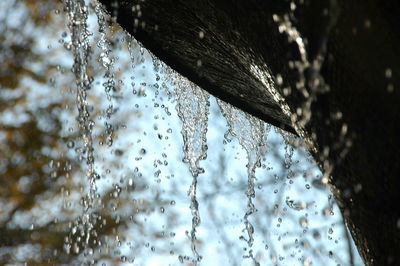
316, 235
388, 73
201, 34
303, 222
390, 88
70, 144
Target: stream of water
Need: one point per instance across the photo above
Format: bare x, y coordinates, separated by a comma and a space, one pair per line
193, 108
77, 13
250, 132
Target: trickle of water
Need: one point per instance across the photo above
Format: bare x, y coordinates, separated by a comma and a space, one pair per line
250, 132
103, 44
77, 13
107, 62
193, 108
289, 151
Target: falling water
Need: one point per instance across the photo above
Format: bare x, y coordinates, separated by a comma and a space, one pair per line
107, 62
289, 150
315, 83
77, 23
250, 133
193, 108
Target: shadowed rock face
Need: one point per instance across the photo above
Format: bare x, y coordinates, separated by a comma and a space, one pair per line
217, 44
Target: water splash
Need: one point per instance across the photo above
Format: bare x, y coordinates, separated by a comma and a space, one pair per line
77, 13
193, 108
250, 132
309, 86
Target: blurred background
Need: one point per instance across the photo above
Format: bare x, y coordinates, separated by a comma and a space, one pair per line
139, 211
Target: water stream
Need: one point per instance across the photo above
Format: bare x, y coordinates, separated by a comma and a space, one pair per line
107, 62
77, 13
193, 108
250, 133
